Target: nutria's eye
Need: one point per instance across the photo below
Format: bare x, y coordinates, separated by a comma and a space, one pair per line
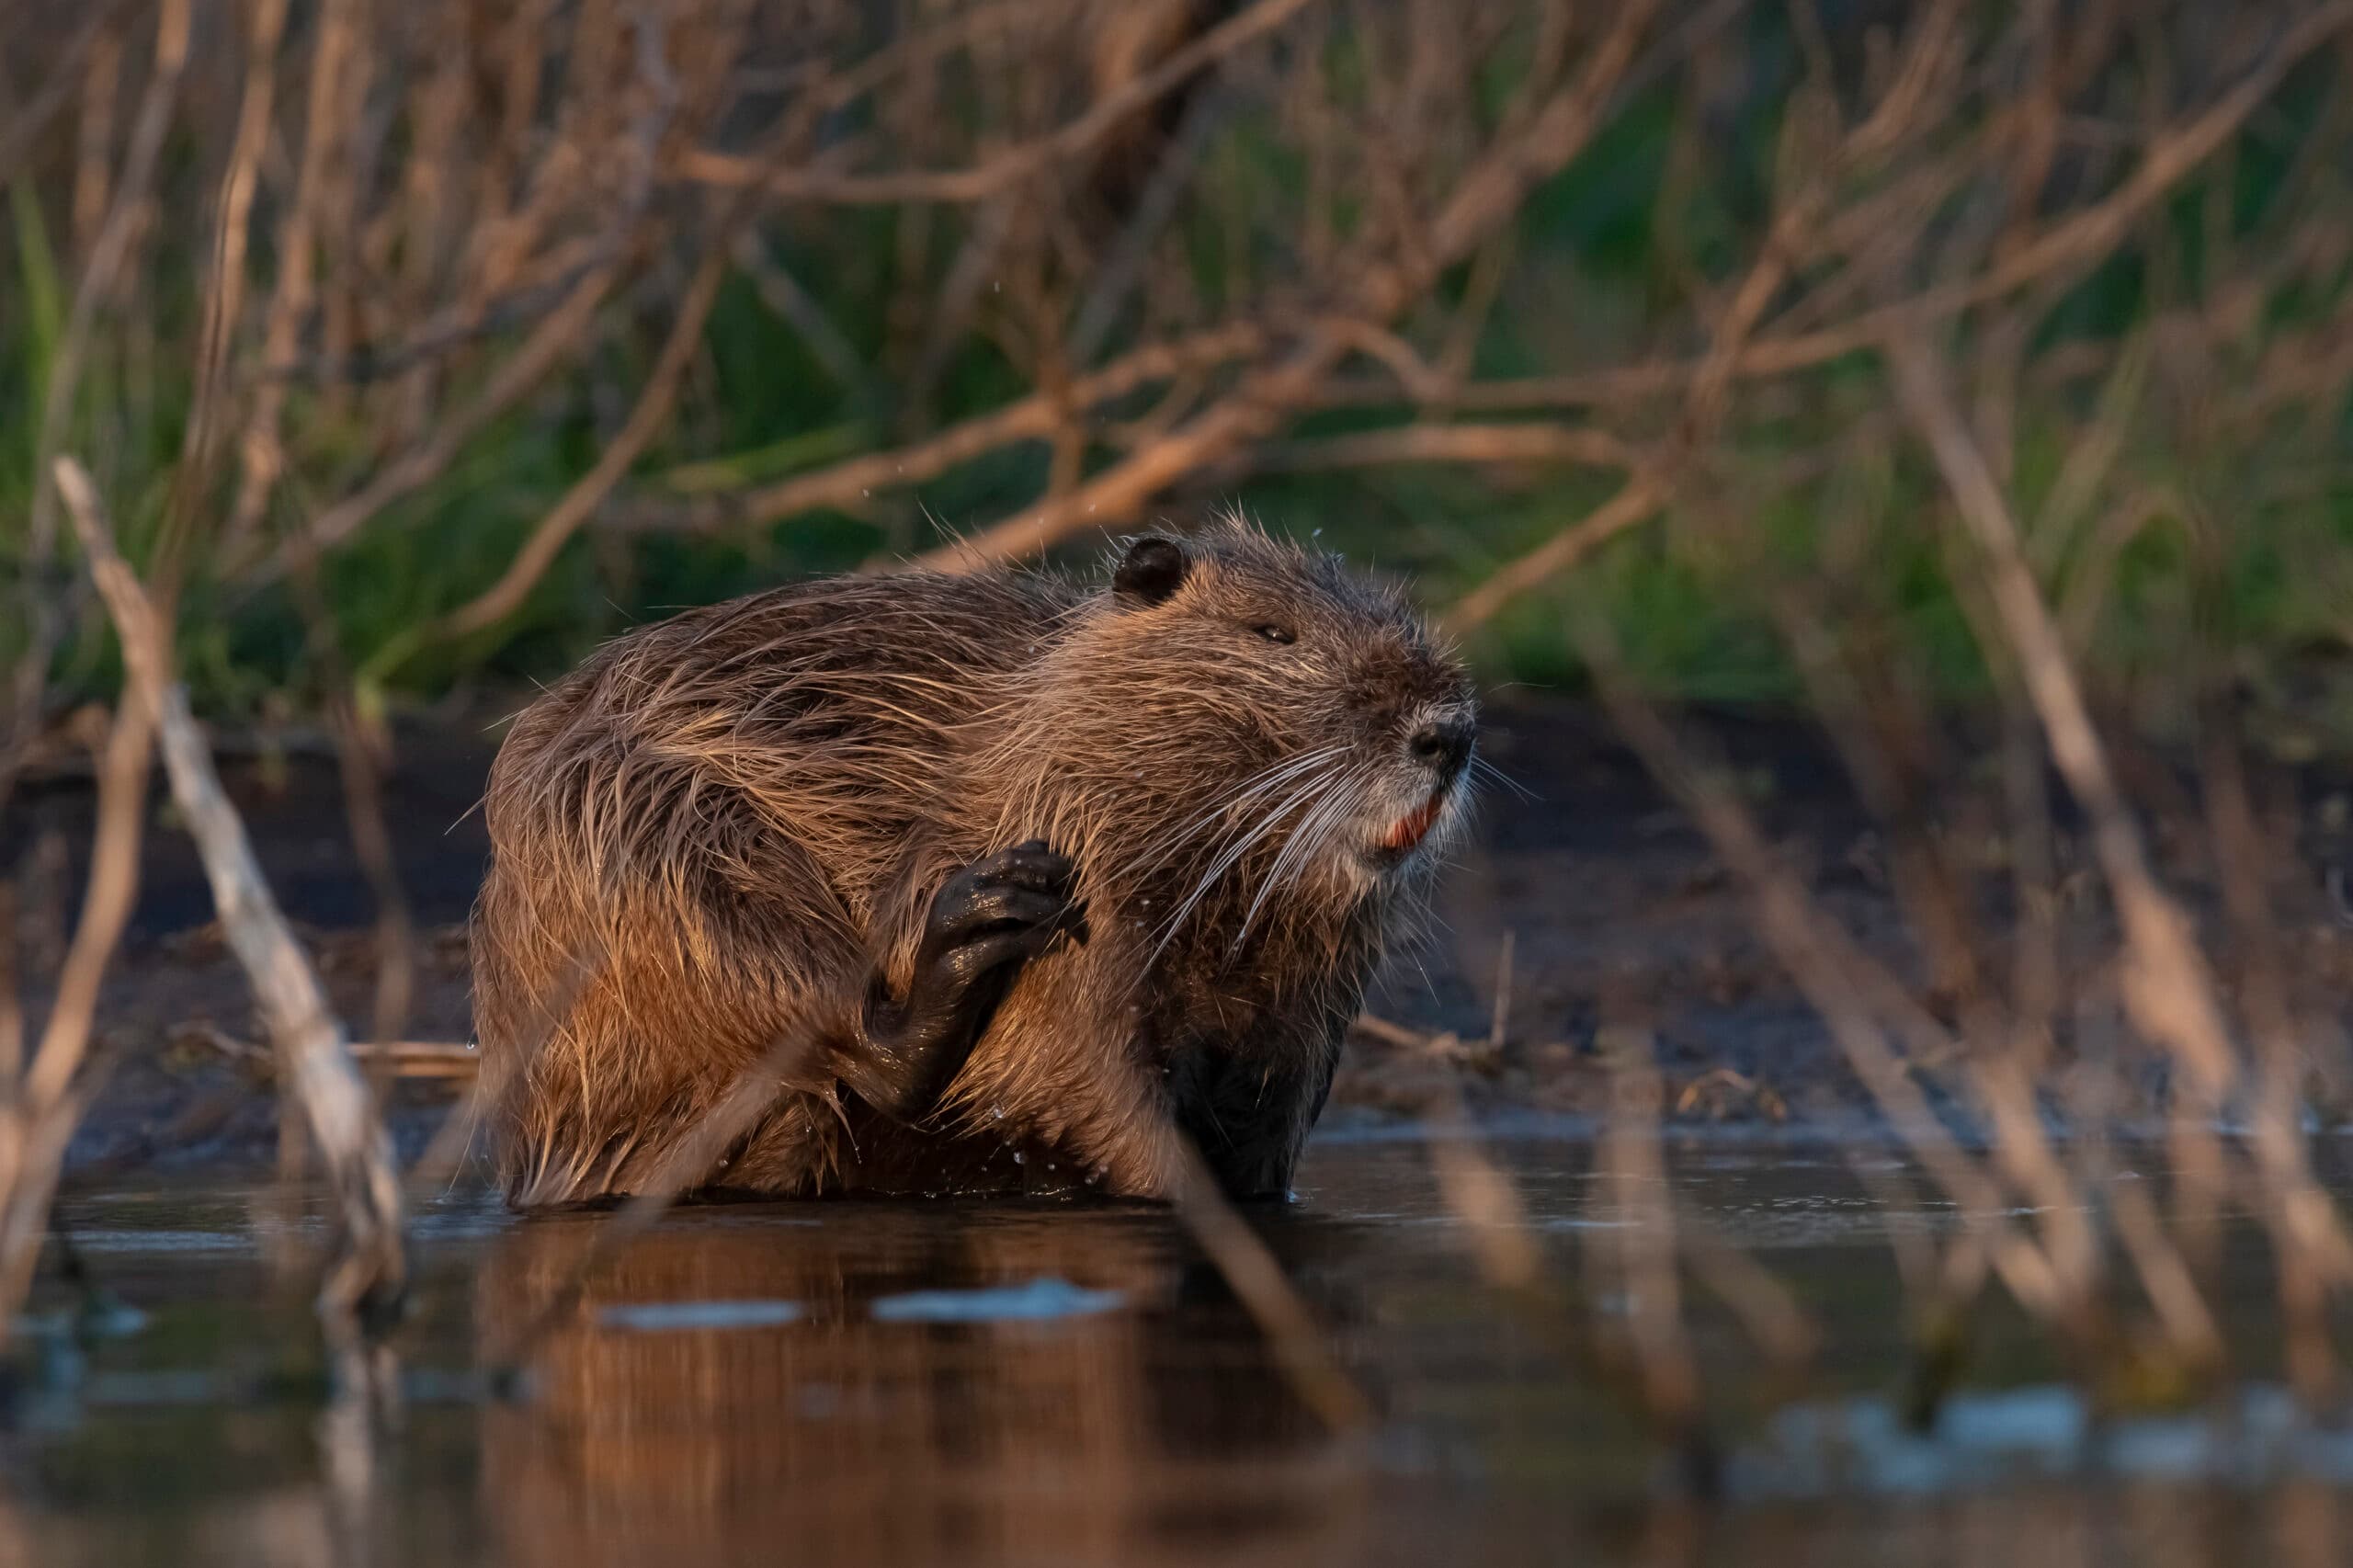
1274, 633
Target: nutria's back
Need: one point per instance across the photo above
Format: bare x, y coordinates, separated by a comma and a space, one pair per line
810, 815
822, 711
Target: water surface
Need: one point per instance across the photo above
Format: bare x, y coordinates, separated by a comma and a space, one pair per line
1043, 1383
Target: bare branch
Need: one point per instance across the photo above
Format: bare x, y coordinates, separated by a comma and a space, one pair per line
852, 479
502, 597
1010, 167
368, 1277
1635, 500
1581, 445
1484, 200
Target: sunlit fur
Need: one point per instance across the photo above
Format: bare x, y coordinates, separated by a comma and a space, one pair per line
725, 820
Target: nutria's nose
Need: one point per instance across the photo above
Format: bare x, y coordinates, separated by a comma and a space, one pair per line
1445, 745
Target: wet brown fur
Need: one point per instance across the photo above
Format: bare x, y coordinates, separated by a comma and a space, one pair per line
706, 836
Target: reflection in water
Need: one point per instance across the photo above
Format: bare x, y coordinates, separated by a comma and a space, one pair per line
856, 1425
876, 1382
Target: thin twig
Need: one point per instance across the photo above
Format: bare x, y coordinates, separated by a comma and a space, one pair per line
1634, 502
1535, 443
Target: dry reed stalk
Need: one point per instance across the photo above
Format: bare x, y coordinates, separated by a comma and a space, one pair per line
2289, 1195
583, 274
101, 77
1634, 503
111, 253
1487, 197
850, 480
405, 1058
360, 763
2058, 1274
2057, 1271
1005, 170
684, 1167
1642, 1252
366, 1280
1798, 211
41, 1106
1122, 271
224, 299
483, 1102
1487, 1203
62, 76
2067, 248
2168, 988
1029, 418
1849, 994
12, 1007
645, 420
559, 335
792, 303
1499, 1009
1534, 443
587, 126
334, 60
1257, 1276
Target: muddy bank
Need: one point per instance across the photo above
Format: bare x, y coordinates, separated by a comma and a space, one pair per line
1610, 904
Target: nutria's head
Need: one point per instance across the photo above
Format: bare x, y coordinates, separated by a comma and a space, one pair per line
1237, 719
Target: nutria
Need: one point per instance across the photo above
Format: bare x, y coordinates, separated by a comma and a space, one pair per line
1044, 873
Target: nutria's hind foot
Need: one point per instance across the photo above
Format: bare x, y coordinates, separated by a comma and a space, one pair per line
986, 922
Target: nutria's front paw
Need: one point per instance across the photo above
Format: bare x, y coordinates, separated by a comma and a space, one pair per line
1000, 912
989, 919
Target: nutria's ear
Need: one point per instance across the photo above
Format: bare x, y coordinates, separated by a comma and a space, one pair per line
1153, 568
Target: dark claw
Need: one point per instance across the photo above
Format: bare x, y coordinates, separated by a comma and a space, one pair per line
1032, 866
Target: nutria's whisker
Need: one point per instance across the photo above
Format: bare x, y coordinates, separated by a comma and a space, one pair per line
1234, 854
1306, 841
1481, 768
1234, 801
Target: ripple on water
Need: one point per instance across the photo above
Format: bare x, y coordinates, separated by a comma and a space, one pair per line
674, 1317
1036, 1300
